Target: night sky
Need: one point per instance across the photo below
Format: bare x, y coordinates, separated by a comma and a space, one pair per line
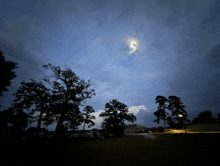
131, 50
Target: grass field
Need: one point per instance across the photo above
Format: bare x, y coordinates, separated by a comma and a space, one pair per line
166, 149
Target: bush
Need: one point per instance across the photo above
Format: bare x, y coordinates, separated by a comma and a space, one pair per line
95, 134
104, 133
160, 129
146, 130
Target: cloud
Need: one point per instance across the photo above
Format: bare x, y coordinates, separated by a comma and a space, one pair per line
98, 119
136, 109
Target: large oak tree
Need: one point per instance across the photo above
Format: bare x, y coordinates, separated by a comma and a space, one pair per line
69, 91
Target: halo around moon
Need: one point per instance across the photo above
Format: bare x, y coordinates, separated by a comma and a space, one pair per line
133, 44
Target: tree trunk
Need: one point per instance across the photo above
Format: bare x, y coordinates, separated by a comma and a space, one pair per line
184, 128
84, 126
39, 121
60, 127
164, 126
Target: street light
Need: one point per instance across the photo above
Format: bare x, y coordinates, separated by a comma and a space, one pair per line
180, 115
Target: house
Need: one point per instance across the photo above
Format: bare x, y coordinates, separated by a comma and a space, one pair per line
134, 128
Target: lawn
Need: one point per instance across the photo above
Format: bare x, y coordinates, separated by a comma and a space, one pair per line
166, 149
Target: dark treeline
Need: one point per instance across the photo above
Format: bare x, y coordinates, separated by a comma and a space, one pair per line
174, 105
60, 104
206, 117
179, 115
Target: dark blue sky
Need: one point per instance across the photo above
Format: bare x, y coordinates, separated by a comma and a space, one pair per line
178, 49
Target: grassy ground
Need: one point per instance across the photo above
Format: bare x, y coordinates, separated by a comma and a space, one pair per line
167, 149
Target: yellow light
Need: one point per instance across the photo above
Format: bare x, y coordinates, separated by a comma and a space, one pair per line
180, 115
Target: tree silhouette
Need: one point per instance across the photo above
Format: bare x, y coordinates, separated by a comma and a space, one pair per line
178, 109
88, 118
204, 117
114, 116
218, 119
161, 113
20, 122
33, 94
5, 118
171, 122
6, 73
67, 96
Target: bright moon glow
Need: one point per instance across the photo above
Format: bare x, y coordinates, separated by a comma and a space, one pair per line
133, 44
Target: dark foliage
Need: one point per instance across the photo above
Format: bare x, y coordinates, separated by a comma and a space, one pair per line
178, 112
6, 73
177, 109
33, 93
161, 114
204, 117
115, 114
87, 117
69, 88
173, 124
19, 120
5, 118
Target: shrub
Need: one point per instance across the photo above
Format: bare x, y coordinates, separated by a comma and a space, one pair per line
146, 130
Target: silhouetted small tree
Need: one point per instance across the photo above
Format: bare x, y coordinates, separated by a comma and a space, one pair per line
6, 73
114, 116
161, 113
5, 118
33, 93
204, 117
87, 117
19, 120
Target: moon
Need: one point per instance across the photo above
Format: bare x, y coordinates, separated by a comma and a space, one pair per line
133, 44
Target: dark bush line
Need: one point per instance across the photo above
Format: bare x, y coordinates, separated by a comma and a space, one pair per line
48, 138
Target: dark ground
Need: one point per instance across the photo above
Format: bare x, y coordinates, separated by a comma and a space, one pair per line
167, 149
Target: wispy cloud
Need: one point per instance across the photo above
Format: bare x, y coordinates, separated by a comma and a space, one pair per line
136, 109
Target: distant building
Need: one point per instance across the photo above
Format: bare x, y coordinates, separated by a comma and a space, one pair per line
203, 127
134, 128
